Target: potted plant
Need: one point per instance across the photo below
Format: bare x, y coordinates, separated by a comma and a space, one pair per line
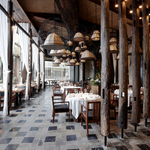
96, 83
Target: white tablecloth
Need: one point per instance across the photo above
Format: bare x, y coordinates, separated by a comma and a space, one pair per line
75, 101
69, 87
130, 94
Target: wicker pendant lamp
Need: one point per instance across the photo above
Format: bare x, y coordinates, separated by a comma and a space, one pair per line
68, 52
69, 64
78, 37
81, 53
53, 53
82, 61
72, 61
87, 55
73, 54
61, 52
53, 41
69, 43
77, 64
130, 51
113, 49
57, 61
77, 49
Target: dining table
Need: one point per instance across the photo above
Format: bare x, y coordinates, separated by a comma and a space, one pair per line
76, 99
69, 87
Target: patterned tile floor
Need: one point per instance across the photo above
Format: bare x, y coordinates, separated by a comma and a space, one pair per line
30, 128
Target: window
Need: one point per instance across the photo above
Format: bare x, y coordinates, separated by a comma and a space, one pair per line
60, 73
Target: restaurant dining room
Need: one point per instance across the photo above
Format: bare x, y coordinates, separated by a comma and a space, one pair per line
74, 75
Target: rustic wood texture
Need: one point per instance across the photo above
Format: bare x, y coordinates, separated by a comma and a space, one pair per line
10, 54
136, 113
146, 62
30, 61
123, 66
38, 73
105, 84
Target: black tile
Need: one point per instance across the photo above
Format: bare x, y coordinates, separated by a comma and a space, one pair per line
12, 147
41, 115
19, 110
71, 138
27, 115
28, 140
89, 126
14, 129
92, 137
143, 147
21, 134
37, 104
31, 110
70, 127
52, 128
13, 115
134, 124
121, 148
5, 140
56, 115
71, 120
55, 120
34, 107
112, 135
38, 121
44, 111
5, 121
22, 121
34, 129
23, 107
146, 132
50, 139
97, 148
130, 134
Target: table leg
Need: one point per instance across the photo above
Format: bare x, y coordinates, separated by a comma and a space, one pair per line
16, 99
20, 95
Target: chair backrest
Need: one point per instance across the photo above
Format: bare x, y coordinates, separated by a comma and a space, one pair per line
113, 99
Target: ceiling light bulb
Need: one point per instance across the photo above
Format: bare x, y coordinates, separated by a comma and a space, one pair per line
140, 6
116, 5
131, 11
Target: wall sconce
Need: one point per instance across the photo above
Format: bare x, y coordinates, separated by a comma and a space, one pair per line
131, 10
116, 3
140, 15
140, 4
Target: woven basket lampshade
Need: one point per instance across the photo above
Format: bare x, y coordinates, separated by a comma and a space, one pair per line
75, 59
63, 62
53, 41
68, 59
113, 49
73, 54
95, 37
77, 49
77, 64
64, 56
68, 52
82, 61
69, 43
113, 41
78, 37
55, 65
69, 64
84, 47
130, 51
53, 53
96, 32
81, 43
61, 52
87, 38
61, 59
87, 55
72, 61
57, 61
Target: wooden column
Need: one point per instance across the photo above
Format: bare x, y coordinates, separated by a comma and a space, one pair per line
146, 62
38, 73
123, 67
10, 54
30, 61
136, 113
105, 72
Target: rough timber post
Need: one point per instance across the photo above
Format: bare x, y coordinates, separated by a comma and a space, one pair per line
136, 113
123, 67
38, 72
146, 62
105, 87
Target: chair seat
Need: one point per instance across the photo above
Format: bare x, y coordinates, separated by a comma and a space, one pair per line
90, 114
61, 108
58, 93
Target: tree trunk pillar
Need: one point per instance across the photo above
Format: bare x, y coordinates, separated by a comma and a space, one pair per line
10, 54
38, 72
146, 62
136, 113
105, 73
123, 66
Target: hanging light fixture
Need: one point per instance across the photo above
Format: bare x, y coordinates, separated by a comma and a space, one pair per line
81, 43
140, 4
68, 52
77, 49
113, 40
84, 47
68, 59
57, 61
81, 53
53, 41
140, 17
69, 64
53, 53
116, 3
131, 10
87, 55
63, 62
73, 54
118, 57
77, 64
61, 59
55, 57
87, 38
130, 51
78, 37
64, 56
72, 61
82, 61
69, 43
113, 49
75, 59
61, 52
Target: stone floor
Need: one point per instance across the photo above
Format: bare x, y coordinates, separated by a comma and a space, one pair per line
30, 128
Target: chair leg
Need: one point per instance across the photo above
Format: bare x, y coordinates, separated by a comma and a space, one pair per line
115, 112
81, 120
53, 116
87, 128
69, 117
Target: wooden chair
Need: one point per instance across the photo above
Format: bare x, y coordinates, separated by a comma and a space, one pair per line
90, 115
113, 102
59, 107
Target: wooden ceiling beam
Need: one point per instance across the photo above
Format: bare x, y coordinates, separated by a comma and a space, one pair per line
112, 7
